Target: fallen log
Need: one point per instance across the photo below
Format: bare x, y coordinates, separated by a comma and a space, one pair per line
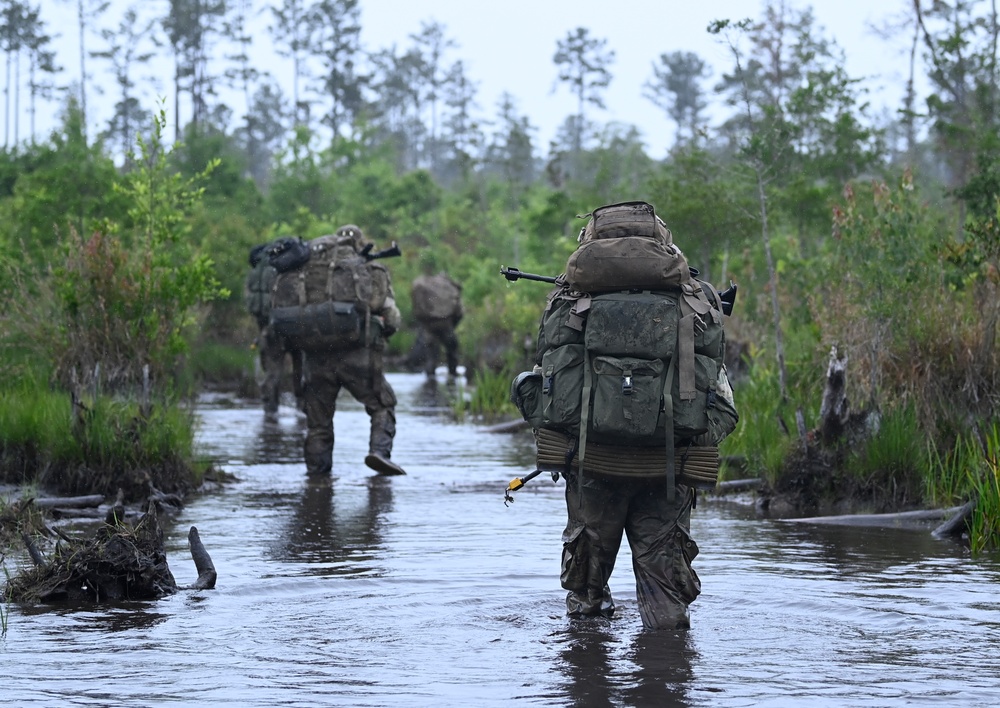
958, 523
85, 502
895, 520
511, 426
738, 485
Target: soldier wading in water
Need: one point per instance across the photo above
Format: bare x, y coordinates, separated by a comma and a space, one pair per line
338, 307
629, 401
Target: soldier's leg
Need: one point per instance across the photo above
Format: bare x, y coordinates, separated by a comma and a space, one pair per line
595, 521
298, 384
321, 386
272, 363
433, 351
450, 340
659, 534
369, 386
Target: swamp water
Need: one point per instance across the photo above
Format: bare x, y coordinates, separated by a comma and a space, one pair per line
425, 590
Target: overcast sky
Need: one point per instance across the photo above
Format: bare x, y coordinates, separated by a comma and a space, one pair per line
508, 46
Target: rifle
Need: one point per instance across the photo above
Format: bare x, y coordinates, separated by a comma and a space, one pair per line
514, 274
393, 250
727, 296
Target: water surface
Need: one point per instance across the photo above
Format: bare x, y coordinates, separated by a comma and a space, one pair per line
427, 590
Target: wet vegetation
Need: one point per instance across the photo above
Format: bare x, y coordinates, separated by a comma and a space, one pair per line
877, 235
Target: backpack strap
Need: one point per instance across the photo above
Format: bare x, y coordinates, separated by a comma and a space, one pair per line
685, 357
668, 412
300, 288
588, 382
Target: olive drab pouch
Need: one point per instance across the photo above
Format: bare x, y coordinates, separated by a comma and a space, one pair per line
631, 262
563, 320
691, 412
632, 324
526, 395
562, 387
628, 397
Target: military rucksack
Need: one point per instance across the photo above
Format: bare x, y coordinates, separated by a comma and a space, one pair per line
259, 281
630, 350
435, 298
328, 303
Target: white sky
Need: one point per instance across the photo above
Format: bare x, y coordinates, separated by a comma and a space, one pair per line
508, 46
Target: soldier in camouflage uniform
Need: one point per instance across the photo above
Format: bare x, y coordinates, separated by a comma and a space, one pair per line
437, 307
271, 350
359, 370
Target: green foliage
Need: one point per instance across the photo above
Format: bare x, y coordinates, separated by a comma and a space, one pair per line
984, 526
124, 296
893, 462
760, 436
490, 397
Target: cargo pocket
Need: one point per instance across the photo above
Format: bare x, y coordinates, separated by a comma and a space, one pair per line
562, 387
685, 580
627, 397
575, 558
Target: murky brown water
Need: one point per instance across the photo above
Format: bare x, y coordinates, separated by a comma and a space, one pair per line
426, 590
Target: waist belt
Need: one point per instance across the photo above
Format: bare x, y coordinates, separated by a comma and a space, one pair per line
696, 466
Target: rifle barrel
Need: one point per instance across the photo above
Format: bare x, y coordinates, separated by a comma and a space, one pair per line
513, 274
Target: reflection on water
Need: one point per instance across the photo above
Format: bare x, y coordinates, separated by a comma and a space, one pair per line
425, 590
329, 540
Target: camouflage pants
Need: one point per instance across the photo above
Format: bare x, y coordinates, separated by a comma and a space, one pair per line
599, 512
435, 335
356, 370
273, 352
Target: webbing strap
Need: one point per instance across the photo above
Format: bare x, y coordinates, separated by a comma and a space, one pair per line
329, 278
685, 353
588, 380
300, 288
668, 410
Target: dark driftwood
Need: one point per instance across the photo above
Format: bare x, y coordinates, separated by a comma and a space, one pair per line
89, 501
834, 411
958, 523
202, 562
123, 560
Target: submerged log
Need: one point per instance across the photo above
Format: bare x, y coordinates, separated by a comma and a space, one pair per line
738, 485
202, 563
899, 519
958, 523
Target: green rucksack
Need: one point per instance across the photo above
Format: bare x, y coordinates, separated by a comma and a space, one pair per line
622, 366
328, 303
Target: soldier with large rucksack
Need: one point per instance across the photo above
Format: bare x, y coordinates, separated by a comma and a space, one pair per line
334, 302
272, 351
629, 401
437, 308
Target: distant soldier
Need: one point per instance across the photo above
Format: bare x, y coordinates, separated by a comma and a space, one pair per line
271, 350
437, 307
339, 308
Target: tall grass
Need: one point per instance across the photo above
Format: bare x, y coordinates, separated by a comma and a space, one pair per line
95, 446
490, 397
984, 480
892, 466
759, 437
